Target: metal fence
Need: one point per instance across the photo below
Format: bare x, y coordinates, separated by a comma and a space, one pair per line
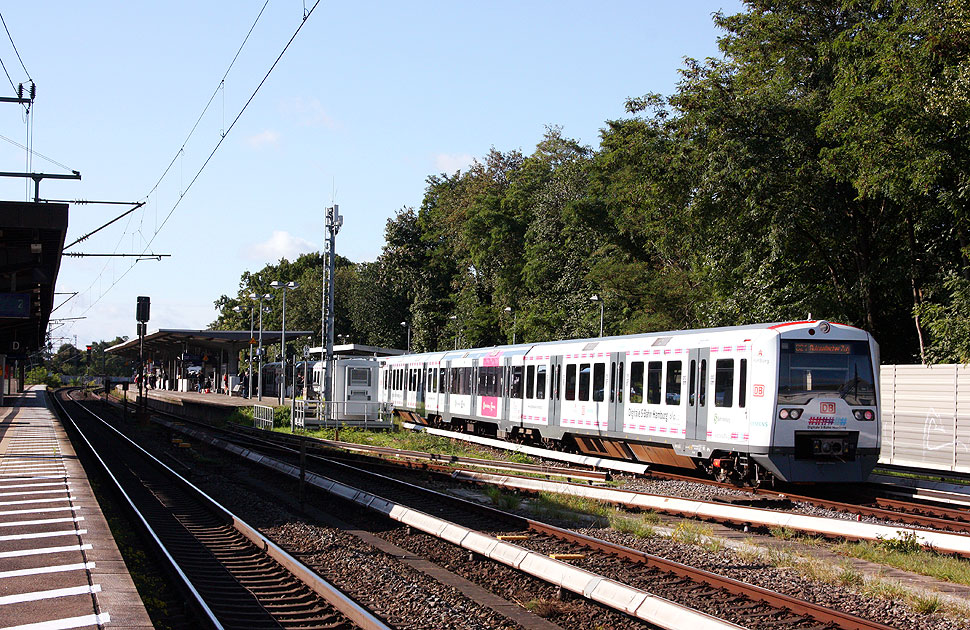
364, 415
926, 416
263, 417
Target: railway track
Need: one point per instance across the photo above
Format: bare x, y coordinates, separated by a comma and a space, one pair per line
233, 577
743, 603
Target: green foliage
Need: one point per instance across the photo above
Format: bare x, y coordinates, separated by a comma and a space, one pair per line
281, 417
948, 321
902, 542
818, 165
501, 499
40, 376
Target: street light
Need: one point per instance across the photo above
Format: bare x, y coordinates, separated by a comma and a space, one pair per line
408, 326
276, 284
508, 309
453, 318
249, 372
259, 375
596, 298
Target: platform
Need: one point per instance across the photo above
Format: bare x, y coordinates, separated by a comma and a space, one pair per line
59, 565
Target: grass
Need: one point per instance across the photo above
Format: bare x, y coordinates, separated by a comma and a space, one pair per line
847, 575
417, 441
501, 499
901, 555
639, 527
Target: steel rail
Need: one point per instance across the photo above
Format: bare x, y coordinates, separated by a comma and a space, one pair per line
185, 583
536, 469
734, 587
341, 602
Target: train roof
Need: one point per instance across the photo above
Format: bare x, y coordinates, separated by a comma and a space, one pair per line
524, 348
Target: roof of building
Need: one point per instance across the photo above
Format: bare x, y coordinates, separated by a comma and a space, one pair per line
357, 349
31, 241
175, 339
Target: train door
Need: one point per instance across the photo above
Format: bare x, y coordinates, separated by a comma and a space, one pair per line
505, 408
555, 390
616, 409
473, 390
698, 395
419, 393
444, 398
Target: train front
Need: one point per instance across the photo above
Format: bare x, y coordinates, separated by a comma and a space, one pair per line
825, 421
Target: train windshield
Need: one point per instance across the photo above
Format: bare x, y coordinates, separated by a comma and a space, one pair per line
810, 369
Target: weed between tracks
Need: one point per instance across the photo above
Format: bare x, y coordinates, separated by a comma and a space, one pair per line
885, 552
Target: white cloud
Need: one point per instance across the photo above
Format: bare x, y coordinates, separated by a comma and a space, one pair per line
449, 163
263, 139
279, 245
308, 113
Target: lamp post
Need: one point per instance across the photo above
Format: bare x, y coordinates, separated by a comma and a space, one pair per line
454, 318
408, 327
276, 284
508, 309
597, 298
249, 372
259, 351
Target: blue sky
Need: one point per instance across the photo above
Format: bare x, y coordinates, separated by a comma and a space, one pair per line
370, 99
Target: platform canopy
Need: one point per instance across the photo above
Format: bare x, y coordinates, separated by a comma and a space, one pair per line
172, 342
31, 241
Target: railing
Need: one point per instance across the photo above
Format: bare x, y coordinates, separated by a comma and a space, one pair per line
350, 413
263, 417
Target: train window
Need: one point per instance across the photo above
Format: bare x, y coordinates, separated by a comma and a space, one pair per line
692, 389
724, 383
454, 381
599, 381
515, 389
530, 379
556, 381
702, 399
636, 382
442, 377
541, 382
466, 381
673, 382
654, 378
584, 381
619, 383
571, 382
742, 383
612, 381
359, 376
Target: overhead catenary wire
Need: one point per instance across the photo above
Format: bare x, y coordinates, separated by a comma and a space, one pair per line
19, 58
212, 153
178, 154
215, 92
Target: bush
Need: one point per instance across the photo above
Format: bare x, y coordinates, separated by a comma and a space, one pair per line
40, 376
281, 417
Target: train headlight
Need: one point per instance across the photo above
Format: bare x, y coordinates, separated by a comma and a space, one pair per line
824, 327
795, 414
783, 414
858, 414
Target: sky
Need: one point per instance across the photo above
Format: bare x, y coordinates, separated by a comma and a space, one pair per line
367, 102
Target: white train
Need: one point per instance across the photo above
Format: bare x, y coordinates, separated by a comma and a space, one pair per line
797, 401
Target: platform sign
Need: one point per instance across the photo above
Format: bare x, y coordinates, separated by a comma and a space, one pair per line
15, 305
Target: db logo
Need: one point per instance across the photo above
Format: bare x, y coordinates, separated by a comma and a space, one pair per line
759, 391
827, 407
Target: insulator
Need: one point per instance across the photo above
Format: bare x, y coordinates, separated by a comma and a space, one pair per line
20, 91
33, 90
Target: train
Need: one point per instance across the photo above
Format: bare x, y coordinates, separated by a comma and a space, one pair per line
794, 401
